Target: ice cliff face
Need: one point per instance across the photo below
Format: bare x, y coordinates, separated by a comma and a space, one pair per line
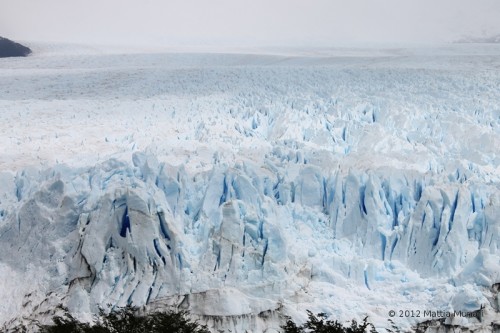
336, 191
244, 238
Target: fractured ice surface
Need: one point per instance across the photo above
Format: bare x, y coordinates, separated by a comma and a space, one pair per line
239, 185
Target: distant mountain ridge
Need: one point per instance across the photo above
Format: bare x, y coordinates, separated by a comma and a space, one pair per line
9, 48
488, 39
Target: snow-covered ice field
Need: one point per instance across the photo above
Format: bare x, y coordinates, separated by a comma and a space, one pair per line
346, 181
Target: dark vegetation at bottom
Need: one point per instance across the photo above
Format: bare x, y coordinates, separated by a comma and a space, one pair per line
319, 324
127, 320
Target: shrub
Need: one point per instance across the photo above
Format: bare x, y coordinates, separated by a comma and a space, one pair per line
319, 324
127, 320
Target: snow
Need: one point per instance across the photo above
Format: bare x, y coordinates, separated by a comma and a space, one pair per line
351, 182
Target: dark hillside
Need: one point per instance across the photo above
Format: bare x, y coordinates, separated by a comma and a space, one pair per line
9, 48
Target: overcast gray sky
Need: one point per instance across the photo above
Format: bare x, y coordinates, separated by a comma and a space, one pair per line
244, 23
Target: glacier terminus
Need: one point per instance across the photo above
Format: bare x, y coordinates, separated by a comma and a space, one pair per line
245, 187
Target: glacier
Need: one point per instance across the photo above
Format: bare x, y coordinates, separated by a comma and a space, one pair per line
247, 187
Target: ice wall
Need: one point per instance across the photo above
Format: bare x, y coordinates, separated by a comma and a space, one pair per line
245, 237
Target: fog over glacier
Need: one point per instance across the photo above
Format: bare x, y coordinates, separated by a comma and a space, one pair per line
245, 23
245, 187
